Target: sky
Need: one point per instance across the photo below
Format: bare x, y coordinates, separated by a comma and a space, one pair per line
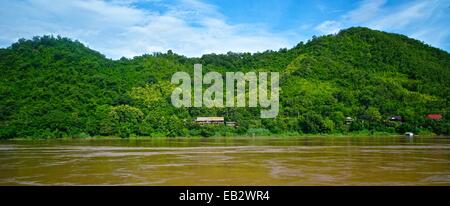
131, 28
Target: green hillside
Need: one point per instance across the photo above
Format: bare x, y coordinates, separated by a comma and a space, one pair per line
54, 87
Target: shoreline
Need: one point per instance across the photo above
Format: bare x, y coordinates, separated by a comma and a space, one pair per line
355, 135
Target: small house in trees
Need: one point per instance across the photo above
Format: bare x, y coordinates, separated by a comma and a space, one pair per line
395, 118
230, 124
434, 116
348, 120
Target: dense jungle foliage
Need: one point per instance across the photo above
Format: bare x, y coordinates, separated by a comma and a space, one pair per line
55, 87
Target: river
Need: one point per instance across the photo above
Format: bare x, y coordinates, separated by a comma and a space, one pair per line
227, 161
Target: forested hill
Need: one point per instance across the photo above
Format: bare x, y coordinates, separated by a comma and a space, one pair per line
55, 87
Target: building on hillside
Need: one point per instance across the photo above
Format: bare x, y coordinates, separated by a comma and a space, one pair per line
434, 116
210, 120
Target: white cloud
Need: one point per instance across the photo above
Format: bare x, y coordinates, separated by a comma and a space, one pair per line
329, 27
118, 28
405, 16
367, 10
424, 20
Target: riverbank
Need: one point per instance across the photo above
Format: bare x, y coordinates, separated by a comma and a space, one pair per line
274, 136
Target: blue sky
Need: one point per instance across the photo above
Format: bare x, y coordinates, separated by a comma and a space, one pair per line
195, 27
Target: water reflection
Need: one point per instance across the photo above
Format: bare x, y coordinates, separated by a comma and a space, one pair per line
228, 161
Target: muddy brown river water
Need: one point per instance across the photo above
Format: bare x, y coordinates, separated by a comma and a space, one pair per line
228, 161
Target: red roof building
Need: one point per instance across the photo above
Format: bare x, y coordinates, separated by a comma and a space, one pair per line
434, 116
